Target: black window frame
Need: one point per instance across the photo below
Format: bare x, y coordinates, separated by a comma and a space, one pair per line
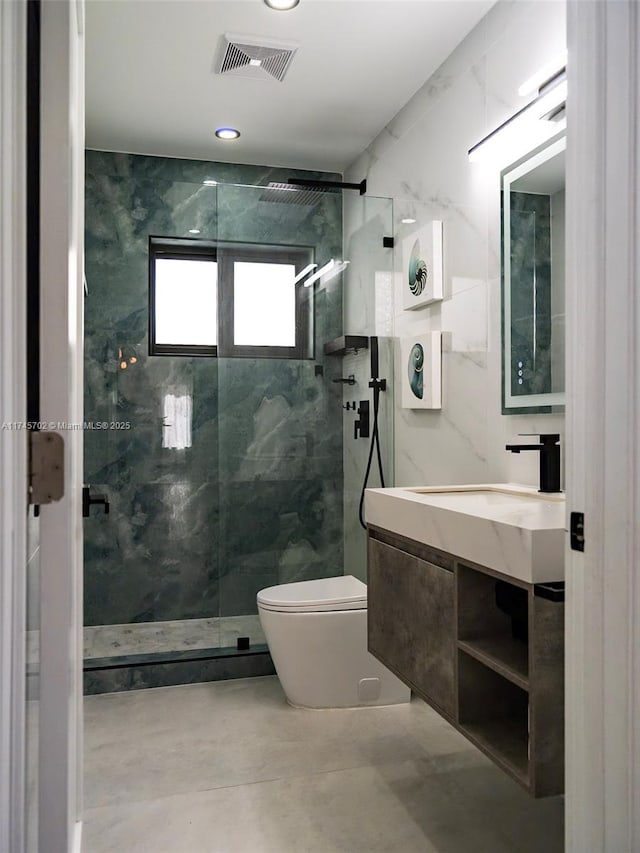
187, 249
225, 254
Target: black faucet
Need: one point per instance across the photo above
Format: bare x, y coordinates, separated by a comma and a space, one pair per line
549, 449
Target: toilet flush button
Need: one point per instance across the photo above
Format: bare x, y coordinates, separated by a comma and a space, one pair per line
369, 689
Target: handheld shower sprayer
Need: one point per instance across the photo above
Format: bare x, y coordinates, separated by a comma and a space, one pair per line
377, 385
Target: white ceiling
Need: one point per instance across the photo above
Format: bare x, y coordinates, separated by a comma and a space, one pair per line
150, 86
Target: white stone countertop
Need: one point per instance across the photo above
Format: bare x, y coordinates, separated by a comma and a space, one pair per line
507, 527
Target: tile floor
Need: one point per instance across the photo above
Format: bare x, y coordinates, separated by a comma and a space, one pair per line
229, 767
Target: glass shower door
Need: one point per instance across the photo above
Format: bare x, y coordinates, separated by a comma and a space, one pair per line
368, 311
280, 423
151, 572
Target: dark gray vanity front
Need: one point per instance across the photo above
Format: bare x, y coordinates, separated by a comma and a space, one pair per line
483, 649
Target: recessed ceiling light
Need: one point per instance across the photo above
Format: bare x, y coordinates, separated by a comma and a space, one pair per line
407, 221
194, 230
281, 5
227, 133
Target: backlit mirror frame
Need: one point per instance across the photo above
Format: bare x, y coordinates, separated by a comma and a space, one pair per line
526, 403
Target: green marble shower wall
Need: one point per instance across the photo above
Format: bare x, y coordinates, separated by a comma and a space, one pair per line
257, 499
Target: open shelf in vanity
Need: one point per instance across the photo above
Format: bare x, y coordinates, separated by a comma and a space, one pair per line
485, 650
493, 713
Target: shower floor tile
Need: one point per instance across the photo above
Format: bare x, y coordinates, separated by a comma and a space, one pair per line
229, 767
101, 641
137, 638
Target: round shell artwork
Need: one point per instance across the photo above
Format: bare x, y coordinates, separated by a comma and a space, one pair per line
418, 272
415, 368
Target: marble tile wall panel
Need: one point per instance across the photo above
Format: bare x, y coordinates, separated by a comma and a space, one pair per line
183, 519
420, 161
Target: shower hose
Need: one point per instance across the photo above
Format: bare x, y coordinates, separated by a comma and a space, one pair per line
378, 385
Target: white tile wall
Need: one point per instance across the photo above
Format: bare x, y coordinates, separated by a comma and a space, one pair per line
420, 160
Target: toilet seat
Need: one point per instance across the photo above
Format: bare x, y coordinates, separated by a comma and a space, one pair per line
325, 594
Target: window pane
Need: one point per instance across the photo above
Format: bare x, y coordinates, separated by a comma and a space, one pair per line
186, 302
264, 303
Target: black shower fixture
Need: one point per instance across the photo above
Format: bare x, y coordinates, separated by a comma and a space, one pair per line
361, 426
328, 185
378, 385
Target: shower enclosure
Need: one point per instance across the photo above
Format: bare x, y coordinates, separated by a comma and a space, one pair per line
225, 472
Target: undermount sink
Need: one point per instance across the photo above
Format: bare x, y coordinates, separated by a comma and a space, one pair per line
509, 528
489, 494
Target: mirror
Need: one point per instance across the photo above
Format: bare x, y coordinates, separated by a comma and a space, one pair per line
533, 239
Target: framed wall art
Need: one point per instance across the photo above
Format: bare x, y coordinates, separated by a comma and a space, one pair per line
422, 266
421, 371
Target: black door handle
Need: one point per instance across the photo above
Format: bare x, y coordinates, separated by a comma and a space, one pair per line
89, 500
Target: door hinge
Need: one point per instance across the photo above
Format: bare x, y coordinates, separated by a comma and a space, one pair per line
576, 531
46, 467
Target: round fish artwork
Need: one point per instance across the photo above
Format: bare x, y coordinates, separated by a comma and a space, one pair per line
415, 369
418, 272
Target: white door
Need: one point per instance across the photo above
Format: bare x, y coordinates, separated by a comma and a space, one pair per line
61, 410
603, 428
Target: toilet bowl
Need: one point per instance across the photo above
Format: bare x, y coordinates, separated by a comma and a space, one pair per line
317, 635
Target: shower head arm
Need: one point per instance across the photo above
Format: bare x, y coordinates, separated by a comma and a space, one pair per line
329, 185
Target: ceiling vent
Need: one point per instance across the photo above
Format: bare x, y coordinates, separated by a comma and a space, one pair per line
257, 58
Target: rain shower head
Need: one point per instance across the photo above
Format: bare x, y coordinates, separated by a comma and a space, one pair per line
278, 193
305, 191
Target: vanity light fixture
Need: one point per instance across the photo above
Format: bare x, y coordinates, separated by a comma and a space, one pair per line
544, 75
407, 221
541, 119
281, 5
194, 230
227, 133
210, 183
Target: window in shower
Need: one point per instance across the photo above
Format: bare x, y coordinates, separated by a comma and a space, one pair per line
228, 300
183, 299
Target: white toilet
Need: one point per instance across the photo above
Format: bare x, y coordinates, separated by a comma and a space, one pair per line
317, 635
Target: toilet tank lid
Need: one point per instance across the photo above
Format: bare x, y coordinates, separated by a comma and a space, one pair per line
341, 593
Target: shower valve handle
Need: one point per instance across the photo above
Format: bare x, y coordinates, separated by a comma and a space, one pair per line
89, 500
361, 426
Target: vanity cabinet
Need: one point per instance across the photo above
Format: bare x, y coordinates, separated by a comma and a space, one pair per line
483, 649
407, 593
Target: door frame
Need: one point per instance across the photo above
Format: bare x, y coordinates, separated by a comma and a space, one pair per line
61, 409
13, 443
603, 464
62, 213
603, 427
